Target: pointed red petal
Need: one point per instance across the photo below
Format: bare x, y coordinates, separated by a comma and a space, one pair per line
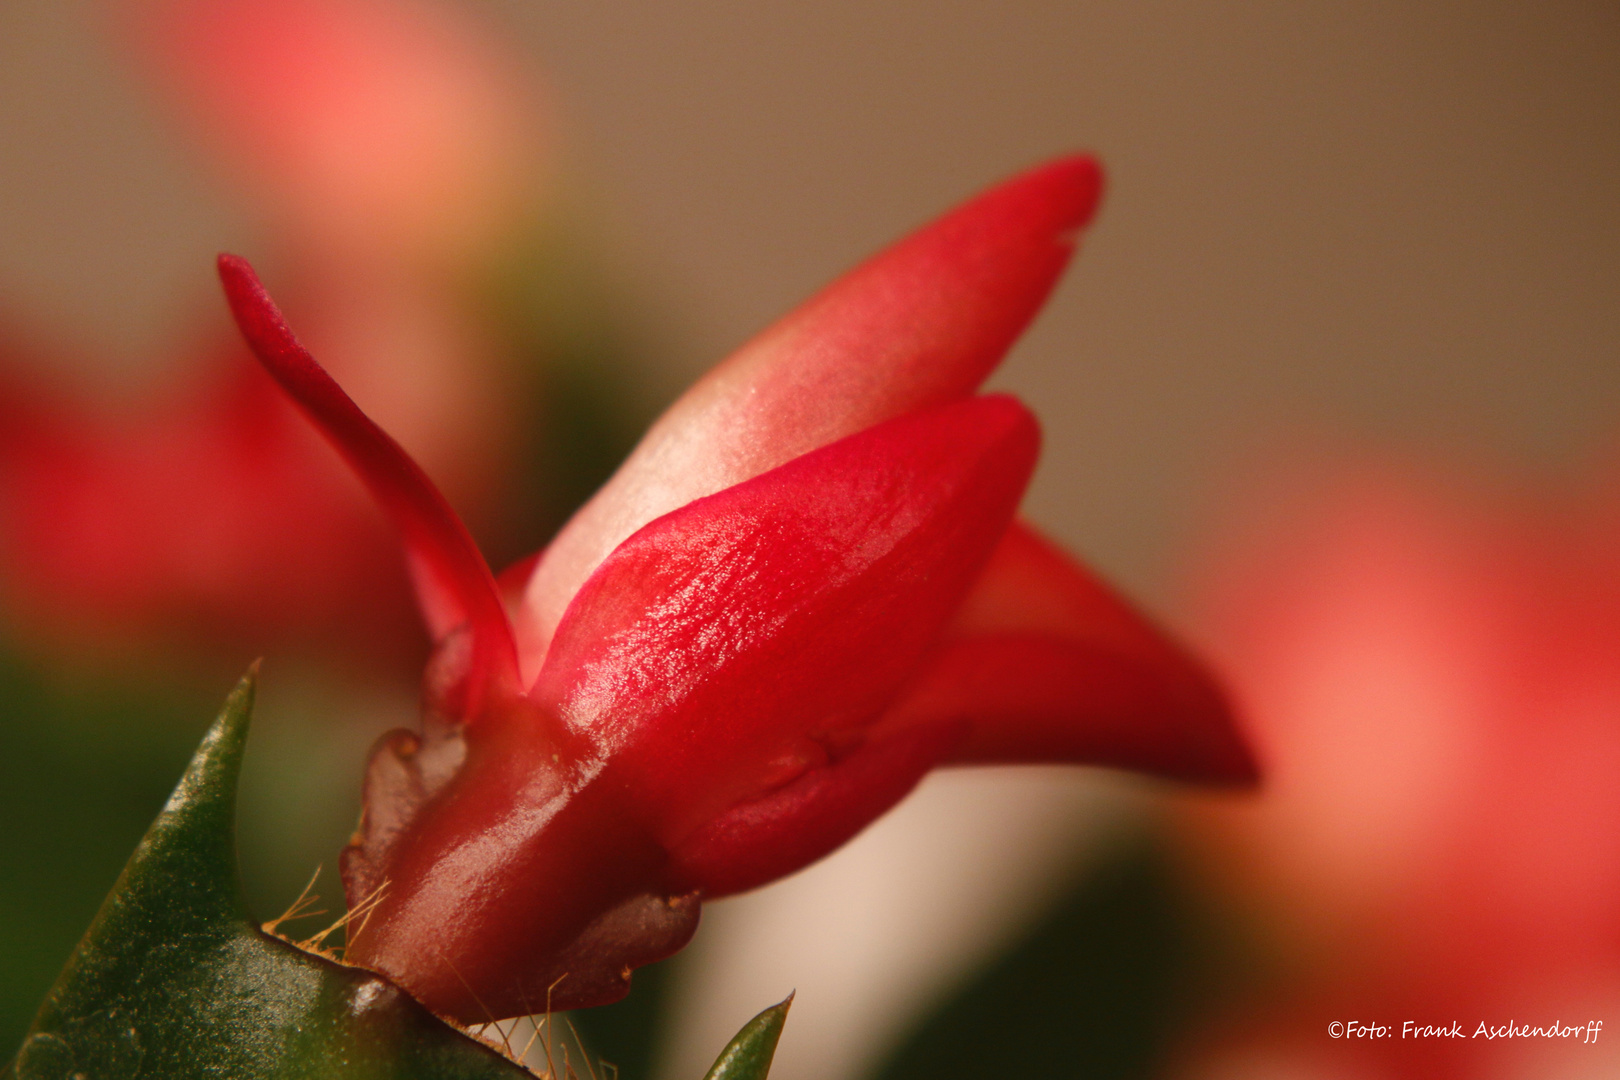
1047, 664
918, 325
745, 637
453, 582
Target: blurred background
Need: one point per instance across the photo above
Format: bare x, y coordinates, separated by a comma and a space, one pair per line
1331, 388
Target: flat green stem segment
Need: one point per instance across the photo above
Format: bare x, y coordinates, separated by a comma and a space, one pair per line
748, 1056
173, 979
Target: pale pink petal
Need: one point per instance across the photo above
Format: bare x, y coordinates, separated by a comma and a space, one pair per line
920, 324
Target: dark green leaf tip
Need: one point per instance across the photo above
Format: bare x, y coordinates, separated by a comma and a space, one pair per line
173, 980
748, 1056
195, 835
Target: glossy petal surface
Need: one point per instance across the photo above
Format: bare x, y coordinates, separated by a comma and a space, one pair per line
723, 652
745, 633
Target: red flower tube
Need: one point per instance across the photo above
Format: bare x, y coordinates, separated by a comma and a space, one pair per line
802, 591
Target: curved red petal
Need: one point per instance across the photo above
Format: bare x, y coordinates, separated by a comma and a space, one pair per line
1047, 664
453, 581
918, 325
744, 636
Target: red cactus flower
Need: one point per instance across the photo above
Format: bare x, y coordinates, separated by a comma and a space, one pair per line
803, 590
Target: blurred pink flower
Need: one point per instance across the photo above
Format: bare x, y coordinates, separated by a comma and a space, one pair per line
392, 149
1431, 678
371, 129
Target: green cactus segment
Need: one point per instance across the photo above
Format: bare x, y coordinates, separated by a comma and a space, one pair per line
174, 980
748, 1056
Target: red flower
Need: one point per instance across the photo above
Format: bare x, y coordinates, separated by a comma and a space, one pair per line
803, 590
1430, 664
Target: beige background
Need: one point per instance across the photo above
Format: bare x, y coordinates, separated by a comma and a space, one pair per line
1327, 224
1379, 219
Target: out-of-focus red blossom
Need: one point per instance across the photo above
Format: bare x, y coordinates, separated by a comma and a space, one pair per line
1431, 679
396, 147
382, 130
206, 518
387, 145
802, 591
